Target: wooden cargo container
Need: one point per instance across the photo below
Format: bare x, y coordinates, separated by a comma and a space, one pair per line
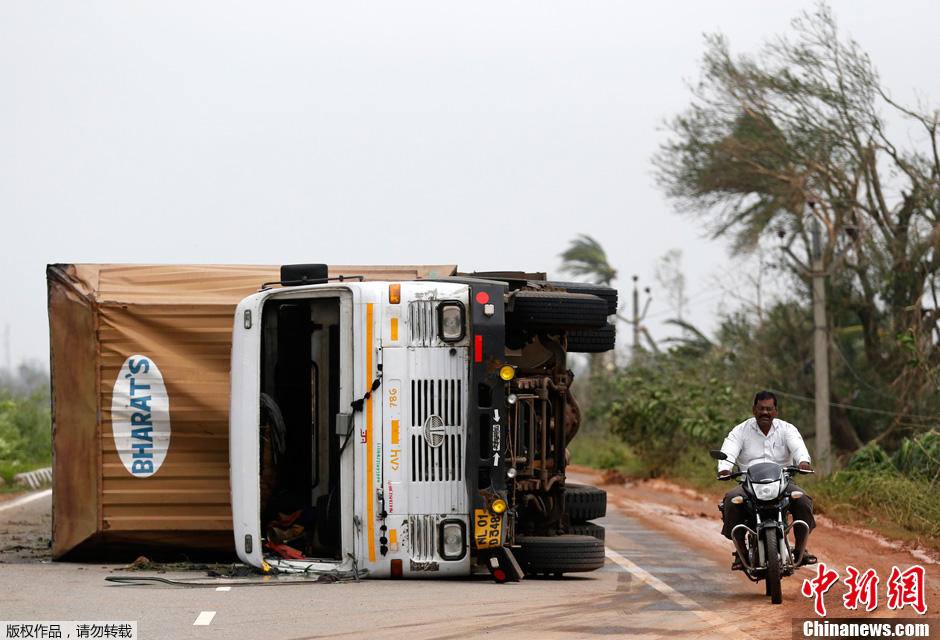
173, 325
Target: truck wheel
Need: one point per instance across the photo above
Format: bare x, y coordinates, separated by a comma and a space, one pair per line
597, 341
556, 310
583, 502
588, 529
559, 554
608, 294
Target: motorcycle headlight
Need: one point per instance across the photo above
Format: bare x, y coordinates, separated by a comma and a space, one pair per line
767, 491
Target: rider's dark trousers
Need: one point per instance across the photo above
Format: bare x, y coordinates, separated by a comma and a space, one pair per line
735, 514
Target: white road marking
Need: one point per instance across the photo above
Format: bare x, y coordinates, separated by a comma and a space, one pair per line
223, 588
32, 497
204, 618
679, 598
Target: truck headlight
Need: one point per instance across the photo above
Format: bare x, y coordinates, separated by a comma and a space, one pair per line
453, 540
451, 320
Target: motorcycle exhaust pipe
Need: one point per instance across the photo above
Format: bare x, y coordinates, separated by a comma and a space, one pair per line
799, 558
742, 553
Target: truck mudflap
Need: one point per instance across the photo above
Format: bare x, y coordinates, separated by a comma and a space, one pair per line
486, 469
502, 565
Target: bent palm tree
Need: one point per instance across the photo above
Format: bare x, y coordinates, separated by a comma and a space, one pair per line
587, 258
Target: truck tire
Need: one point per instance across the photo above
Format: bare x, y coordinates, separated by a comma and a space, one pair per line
556, 310
608, 294
583, 502
588, 529
559, 554
597, 341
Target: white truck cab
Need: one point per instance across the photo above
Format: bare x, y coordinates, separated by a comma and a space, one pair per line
410, 429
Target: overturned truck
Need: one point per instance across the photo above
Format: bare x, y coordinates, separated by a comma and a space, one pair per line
395, 421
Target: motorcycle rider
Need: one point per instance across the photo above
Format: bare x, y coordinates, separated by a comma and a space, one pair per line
764, 438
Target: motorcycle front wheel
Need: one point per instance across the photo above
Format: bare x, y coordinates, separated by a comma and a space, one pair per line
772, 550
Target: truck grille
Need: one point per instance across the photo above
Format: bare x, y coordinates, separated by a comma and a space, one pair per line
434, 430
436, 397
436, 464
422, 323
422, 534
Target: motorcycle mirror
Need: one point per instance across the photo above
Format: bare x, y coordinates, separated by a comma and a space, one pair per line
718, 455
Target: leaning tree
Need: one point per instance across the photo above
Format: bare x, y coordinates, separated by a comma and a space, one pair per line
801, 131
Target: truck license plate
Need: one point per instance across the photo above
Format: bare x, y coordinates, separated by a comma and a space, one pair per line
487, 529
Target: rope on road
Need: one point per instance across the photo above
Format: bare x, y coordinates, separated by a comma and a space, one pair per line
264, 581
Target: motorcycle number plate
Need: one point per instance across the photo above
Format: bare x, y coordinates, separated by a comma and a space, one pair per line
487, 529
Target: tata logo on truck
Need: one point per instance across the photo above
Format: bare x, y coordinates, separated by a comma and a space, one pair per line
140, 416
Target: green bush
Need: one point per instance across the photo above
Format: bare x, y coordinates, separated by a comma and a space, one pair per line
25, 433
664, 406
603, 452
919, 454
871, 457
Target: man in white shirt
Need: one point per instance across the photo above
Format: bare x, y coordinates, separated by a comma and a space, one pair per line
764, 438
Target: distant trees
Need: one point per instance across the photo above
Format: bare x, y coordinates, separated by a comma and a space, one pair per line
29, 377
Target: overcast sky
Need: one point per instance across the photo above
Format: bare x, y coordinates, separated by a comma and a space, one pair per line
486, 134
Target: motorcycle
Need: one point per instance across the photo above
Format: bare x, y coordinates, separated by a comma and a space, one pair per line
767, 554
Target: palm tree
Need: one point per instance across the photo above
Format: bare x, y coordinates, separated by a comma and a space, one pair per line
587, 258
692, 338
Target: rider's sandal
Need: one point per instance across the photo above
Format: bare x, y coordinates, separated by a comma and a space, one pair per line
736, 565
808, 558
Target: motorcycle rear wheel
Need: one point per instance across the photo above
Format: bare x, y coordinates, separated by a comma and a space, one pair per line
772, 550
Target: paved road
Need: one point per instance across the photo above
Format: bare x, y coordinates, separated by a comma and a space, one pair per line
651, 586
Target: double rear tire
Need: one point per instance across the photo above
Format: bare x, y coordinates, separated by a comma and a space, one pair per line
556, 310
556, 555
596, 341
584, 502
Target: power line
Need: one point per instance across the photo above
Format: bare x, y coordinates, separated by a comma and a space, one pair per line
879, 392
850, 407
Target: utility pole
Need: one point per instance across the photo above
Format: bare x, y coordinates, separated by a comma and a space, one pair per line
7, 344
821, 350
638, 315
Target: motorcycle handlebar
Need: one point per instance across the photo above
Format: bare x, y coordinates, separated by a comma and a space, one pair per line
794, 469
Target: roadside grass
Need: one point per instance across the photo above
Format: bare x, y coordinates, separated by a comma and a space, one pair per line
605, 452
899, 506
10, 468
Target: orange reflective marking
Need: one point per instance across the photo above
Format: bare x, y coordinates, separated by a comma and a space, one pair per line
370, 490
